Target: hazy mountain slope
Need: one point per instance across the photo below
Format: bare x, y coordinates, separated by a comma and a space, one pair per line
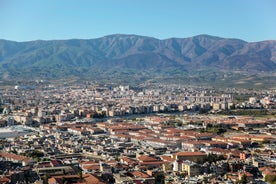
61, 58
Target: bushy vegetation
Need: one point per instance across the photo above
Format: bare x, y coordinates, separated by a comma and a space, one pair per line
215, 129
242, 181
34, 154
248, 112
211, 158
271, 179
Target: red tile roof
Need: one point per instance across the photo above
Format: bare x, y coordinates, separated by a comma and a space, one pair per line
190, 154
139, 174
145, 158
167, 158
11, 156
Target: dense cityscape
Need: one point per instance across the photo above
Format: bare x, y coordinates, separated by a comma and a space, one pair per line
137, 92
152, 133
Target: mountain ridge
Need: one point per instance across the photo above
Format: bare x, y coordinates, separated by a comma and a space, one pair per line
122, 52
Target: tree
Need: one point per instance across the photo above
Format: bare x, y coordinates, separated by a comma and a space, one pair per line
243, 180
35, 154
270, 179
210, 158
160, 178
80, 176
45, 178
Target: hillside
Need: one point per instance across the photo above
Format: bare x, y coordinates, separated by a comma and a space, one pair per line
117, 56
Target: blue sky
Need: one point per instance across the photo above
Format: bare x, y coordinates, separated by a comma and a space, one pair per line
24, 20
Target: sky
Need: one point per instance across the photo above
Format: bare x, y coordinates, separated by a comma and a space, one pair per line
26, 20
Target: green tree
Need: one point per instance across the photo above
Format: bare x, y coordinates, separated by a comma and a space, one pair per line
81, 176
45, 178
243, 180
160, 178
270, 179
35, 154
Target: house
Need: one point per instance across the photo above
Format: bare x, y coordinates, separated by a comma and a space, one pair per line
128, 161
4, 180
90, 167
141, 177
16, 158
192, 168
55, 171
192, 156
247, 175
268, 171
168, 163
149, 162
122, 178
85, 179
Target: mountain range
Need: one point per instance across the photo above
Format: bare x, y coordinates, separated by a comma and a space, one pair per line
120, 55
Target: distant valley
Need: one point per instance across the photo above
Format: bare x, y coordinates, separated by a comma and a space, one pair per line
198, 60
